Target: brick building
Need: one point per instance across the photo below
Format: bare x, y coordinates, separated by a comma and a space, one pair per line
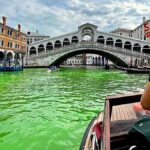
13, 45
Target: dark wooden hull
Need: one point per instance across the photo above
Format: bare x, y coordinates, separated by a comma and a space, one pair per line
140, 71
121, 68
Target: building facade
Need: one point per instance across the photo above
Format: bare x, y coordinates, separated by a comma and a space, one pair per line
87, 59
13, 45
35, 36
141, 32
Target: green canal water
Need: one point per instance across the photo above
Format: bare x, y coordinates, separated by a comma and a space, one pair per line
50, 111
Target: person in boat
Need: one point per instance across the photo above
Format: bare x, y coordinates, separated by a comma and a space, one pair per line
52, 68
107, 67
141, 129
143, 107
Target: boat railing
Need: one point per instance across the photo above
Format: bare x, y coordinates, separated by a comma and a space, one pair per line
109, 103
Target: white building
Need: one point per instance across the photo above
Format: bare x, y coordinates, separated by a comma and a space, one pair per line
88, 59
75, 60
34, 37
141, 32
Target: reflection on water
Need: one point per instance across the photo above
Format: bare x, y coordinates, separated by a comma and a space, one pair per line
50, 111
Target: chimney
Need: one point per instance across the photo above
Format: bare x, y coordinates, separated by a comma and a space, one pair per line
144, 19
19, 27
4, 21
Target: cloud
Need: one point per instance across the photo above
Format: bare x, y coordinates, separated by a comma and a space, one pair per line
58, 17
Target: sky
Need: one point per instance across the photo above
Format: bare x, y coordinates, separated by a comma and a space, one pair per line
57, 17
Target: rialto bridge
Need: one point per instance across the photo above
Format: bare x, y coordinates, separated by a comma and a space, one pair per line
119, 49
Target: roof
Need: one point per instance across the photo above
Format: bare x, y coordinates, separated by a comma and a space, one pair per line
87, 24
121, 30
36, 34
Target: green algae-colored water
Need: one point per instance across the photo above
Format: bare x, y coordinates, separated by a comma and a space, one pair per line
50, 111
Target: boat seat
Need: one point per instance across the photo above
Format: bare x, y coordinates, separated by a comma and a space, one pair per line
140, 112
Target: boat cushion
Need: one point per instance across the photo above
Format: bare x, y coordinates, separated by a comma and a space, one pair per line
98, 130
142, 127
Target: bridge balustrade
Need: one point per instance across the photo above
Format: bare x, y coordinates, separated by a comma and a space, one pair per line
90, 45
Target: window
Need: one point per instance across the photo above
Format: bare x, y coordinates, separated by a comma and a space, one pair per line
30, 40
2, 43
8, 32
2, 30
10, 44
15, 45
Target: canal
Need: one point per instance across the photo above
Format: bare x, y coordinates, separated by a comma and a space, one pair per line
50, 111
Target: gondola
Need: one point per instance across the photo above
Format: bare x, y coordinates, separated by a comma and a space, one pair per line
134, 70
52, 68
120, 68
15, 68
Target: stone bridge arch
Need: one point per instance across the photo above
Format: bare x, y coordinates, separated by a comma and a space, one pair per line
111, 56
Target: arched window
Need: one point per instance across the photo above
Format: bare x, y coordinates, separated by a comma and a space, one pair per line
118, 43
9, 56
86, 38
1, 56
32, 50
137, 47
109, 41
127, 45
146, 49
74, 39
66, 42
57, 44
49, 46
101, 39
2, 43
16, 56
41, 48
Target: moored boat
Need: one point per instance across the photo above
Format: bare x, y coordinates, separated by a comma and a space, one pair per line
52, 68
14, 68
137, 70
120, 68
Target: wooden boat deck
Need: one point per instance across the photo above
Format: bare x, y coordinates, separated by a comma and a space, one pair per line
123, 112
120, 112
